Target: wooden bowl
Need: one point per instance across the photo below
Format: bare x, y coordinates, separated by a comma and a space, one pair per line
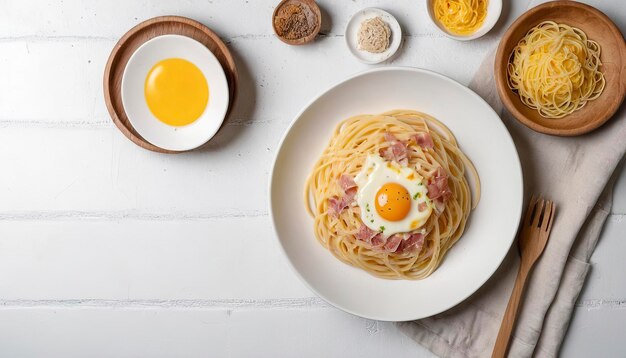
310, 4
599, 28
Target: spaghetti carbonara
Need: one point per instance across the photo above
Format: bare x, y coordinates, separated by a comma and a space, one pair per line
389, 194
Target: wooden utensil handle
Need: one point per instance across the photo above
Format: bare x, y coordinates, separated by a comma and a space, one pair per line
510, 315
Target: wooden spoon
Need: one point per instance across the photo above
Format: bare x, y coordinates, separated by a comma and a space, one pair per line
535, 232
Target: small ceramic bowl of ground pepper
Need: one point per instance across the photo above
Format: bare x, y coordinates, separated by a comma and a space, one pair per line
297, 22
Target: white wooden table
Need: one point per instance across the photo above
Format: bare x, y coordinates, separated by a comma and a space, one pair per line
110, 250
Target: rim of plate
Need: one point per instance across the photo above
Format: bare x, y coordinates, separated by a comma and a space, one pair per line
488, 24
297, 118
214, 120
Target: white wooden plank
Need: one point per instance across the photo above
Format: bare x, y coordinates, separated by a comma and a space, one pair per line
131, 260
65, 77
595, 333
100, 170
52, 80
324, 332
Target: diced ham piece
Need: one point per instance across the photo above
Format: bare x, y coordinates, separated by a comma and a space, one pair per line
366, 234
424, 140
398, 243
349, 188
346, 182
396, 151
438, 185
422, 206
386, 154
337, 204
349, 196
438, 189
414, 243
392, 243
378, 240
400, 153
389, 137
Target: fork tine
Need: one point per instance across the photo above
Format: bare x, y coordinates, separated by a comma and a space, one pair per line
551, 219
529, 212
538, 212
546, 216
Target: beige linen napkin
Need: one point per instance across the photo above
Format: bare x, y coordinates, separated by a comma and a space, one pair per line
575, 173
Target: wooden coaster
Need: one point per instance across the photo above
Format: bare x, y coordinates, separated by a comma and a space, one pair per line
137, 36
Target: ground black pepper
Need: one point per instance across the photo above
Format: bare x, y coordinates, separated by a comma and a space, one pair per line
294, 21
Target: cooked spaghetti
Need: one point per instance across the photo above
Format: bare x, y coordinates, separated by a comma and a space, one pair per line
555, 69
426, 170
460, 17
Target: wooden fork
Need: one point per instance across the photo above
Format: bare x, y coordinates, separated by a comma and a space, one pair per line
534, 236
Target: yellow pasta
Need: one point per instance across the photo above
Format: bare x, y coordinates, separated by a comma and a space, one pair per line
555, 69
460, 17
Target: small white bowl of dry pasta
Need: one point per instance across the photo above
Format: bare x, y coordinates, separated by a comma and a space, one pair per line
464, 20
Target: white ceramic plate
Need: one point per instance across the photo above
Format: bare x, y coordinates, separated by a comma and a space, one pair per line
494, 9
147, 125
491, 228
352, 31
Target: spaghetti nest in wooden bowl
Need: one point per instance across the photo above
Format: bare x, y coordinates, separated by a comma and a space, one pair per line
608, 87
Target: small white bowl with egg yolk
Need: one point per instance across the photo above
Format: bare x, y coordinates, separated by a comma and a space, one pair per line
175, 92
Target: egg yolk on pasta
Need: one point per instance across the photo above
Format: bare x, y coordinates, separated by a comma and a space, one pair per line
176, 91
393, 202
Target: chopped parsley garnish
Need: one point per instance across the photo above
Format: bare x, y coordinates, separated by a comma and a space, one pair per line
367, 207
372, 220
382, 228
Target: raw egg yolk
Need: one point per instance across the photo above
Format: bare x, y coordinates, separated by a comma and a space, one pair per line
176, 91
393, 202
